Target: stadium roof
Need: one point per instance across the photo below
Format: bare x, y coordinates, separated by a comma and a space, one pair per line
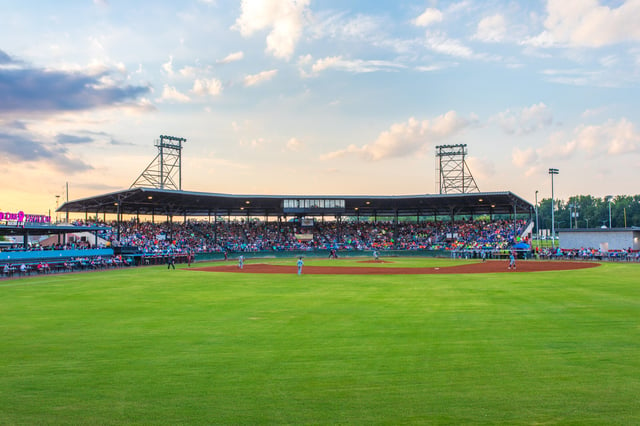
163, 202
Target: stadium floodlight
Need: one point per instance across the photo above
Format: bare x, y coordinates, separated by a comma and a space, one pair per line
609, 198
166, 167
553, 207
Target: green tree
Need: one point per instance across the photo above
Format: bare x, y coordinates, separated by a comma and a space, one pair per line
592, 212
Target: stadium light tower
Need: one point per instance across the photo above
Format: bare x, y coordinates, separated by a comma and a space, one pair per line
553, 207
162, 172
455, 176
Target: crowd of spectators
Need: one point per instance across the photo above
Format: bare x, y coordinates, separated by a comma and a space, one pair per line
255, 236
74, 264
587, 253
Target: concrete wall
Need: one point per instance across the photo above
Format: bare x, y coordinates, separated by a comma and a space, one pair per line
608, 239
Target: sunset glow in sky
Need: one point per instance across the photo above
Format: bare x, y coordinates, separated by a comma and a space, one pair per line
318, 97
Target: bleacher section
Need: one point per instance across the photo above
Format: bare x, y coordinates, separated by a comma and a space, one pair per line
21, 263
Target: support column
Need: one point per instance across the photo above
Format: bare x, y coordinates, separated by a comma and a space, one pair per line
515, 223
118, 221
395, 229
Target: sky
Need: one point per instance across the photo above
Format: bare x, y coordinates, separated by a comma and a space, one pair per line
331, 97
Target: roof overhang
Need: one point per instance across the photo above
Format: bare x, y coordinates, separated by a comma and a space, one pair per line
150, 201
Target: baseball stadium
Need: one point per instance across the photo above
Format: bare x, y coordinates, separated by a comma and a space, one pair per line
158, 305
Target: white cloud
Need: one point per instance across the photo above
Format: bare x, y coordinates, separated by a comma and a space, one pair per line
336, 25
593, 141
428, 17
524, 121
588, 23
611, 137
304, 60
482, 168
239, 127
203, 86
524, 158
609, 61
189, 72
326, 63
247, 134
168, 66
232, 57
255, 143
440, 43
527, 161
284, 19
170, 93
354, 66
430, 68
491, 29
252, 80
361, 27
409, 138
593, 112
458, 7
294, 144
577, 77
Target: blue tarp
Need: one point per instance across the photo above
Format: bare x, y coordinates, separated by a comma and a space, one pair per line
522, 246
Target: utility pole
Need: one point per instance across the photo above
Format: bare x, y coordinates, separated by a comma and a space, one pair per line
609, 198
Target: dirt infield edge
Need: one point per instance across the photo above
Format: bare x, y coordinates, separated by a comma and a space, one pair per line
491, 266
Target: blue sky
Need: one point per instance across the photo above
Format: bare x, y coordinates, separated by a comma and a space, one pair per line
318, 97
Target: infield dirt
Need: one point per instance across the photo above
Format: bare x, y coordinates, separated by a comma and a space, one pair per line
491, 266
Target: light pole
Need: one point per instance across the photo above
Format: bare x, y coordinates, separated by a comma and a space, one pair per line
553, 207
573, 215
57, 204
537, 228
609, 198
570, 215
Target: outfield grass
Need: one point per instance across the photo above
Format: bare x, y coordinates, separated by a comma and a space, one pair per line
152, 346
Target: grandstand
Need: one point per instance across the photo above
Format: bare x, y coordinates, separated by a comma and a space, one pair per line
187, 204
209, 225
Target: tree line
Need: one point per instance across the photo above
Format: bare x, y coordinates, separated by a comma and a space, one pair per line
586, 211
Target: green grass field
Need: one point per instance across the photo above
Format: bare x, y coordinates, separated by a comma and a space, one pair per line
151, 346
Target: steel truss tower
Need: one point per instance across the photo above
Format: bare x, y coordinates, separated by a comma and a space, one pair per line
455, 176
161, 172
